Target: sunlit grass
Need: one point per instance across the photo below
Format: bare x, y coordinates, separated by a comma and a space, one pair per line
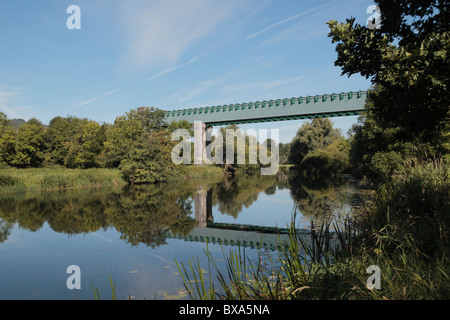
35, 179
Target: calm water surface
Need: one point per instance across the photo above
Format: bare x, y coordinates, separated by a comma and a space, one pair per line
134, 236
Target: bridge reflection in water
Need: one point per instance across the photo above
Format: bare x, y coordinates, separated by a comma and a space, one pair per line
251, 236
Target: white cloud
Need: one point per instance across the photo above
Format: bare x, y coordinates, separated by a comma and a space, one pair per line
159, 32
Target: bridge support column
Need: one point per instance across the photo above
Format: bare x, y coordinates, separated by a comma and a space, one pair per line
202, 139
203, 206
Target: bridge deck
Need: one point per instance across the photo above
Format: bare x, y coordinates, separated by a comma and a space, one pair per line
327, 105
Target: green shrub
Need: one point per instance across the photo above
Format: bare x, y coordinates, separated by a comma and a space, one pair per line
323, 164
384, 164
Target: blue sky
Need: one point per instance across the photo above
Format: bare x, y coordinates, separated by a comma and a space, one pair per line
170, 54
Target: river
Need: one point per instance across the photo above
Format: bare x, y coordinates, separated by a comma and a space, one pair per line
135, 236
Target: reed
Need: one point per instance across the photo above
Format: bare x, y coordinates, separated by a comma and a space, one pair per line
113, 290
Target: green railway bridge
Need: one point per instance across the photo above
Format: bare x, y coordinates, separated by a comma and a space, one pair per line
309, 107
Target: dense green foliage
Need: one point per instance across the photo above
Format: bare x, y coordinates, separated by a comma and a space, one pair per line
318, 151
408, 62
7, 140
74, 142
30, 145
138, 143
313, 136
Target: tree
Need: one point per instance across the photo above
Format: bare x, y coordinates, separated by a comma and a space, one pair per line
58, 137
407, 61
30, 147
75, 142
121, 137
149, 160
311, 136
284, 150
182, 124
247, 161
325, 165
88, 143
7, 140
140, 145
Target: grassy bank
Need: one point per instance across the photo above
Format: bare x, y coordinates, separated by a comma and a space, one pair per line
195, 171
47, 179
35, 179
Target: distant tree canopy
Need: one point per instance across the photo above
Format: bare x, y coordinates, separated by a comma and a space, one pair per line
7, 140
138, 143
407, 60
74, 142
319, 151
30, 145
317, 134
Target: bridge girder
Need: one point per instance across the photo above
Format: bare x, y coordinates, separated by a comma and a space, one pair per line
319, 106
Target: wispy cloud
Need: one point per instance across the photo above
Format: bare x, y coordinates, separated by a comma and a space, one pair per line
4, 97
163, 72
189, 94
201, 93
157, 75
96, 98
159, 32
289, 19
8, 102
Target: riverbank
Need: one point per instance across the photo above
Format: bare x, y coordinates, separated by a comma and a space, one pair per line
49, 179
37, 179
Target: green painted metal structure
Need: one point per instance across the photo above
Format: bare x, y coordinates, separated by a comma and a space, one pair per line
319, 106
253, 238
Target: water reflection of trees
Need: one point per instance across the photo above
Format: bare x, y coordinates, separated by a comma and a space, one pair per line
141, 215
147, 213
320, 200
234, 194
5, 230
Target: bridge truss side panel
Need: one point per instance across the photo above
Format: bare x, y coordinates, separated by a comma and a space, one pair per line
328, 105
